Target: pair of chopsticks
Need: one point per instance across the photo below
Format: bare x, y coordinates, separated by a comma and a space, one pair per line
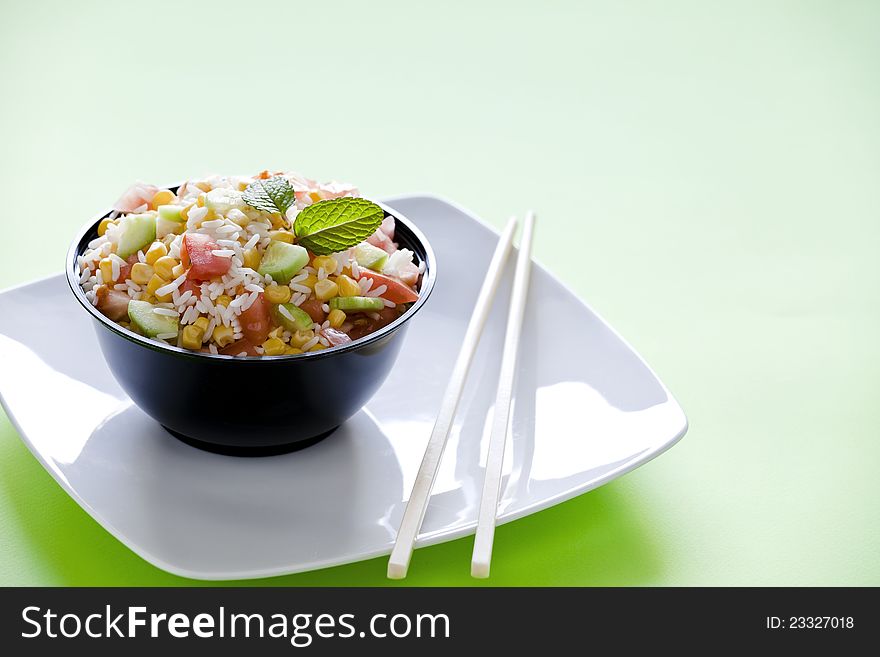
414, 514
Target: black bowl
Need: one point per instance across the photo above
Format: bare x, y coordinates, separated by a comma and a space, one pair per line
252, 406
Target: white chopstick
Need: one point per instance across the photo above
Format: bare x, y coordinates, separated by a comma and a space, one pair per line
414, 513
485, 536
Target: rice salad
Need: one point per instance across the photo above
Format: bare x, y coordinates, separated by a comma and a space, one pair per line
266, 265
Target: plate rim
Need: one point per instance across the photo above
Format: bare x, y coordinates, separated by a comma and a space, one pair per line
424, 541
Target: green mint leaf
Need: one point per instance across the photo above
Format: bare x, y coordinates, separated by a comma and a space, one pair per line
273, 195
336, 225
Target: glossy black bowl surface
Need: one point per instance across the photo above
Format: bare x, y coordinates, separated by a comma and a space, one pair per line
259, 405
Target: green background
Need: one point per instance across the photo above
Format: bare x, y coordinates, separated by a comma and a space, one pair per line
705, 175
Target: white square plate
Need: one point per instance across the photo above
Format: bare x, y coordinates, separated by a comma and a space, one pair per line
586, 411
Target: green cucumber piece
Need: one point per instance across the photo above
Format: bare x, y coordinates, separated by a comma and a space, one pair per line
301, 319
149, 323
369, 256
135, 232
171, 213
356, 304
169, 221
282, 261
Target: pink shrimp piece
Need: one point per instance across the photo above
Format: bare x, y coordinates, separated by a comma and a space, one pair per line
135, 198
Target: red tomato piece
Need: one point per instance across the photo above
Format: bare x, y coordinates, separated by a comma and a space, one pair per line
192, 286
238, 347
313, 308
365, 325
197, 255
397, 291
125, 270
112, 303
255, 321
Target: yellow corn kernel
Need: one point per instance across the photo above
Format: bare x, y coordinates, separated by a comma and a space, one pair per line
223, 300
104, 225
162, 197
222, 335
318, 347
141, 273
201, 200
156, 251
278, 221
164, 266
273, 347
299, 338
281, 236
326, 289
205, 187
327, 262
239, 217
314, 196
277, 294
164, 298
242, 185
155, 283
202, 322
191, 337
276, 332
177, 271
184, 213
251, 259
348, 287
336, 318
106, 267
292, 350
309, 281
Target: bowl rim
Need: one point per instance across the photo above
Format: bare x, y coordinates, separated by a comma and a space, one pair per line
427, 286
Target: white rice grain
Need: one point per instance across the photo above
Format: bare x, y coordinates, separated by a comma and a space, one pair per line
167, 312
389, 304
285, 312
311, 343
166, 336
249, 300
223, 253
325, 308
377, 292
